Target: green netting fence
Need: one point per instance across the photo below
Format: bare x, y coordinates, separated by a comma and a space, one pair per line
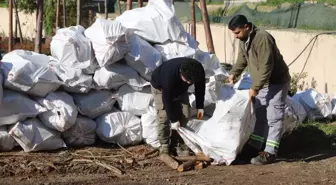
304, 16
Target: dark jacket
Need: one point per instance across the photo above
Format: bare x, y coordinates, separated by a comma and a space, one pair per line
263, 60
167, 78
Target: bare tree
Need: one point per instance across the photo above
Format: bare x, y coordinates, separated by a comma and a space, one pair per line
207, 29
57, 14
193, 19
17, 22
78, 12
129, 5
10, 39
140, 3
64, 14
39, 24
106, 13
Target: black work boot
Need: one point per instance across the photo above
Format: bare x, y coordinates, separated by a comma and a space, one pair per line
247, 153
263, 158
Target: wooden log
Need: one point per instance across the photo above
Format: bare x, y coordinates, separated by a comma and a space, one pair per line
186, 166
207, 29
197, 158
169, 161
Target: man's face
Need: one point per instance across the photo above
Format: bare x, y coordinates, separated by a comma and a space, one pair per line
241, 33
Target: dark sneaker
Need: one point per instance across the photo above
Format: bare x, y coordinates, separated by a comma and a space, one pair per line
263, 158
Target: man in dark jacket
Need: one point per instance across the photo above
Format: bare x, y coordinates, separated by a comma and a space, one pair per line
170, 83
270, 84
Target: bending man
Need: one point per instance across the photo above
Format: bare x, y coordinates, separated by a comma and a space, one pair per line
170, 83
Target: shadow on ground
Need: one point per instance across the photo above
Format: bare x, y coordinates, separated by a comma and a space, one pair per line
307, 143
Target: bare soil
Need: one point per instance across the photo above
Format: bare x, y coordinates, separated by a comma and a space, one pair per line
95, 165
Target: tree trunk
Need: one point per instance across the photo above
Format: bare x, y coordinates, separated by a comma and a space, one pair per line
18, 21
129, 5
119, 7
57, 14
106, 13
207, 29
140, 3
78, 22
39, 23
10, 39
193, 19
64, 14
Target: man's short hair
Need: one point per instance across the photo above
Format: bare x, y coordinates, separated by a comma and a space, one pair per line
237, 21
192, 70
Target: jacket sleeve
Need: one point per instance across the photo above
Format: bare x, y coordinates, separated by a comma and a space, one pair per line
200, 91
168, 103
265, 60
241, 62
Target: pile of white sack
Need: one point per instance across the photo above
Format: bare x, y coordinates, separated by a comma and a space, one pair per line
96, 84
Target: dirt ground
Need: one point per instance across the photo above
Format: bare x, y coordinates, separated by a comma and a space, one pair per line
96, 165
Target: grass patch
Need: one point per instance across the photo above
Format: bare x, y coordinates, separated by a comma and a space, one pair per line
308, 139
279, 2
3, 5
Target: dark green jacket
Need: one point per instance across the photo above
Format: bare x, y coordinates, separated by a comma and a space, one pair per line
263, 60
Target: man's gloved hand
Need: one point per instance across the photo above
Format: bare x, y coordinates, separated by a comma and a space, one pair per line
200, 113
175, 125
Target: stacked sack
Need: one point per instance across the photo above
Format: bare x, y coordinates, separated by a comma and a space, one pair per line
95, 83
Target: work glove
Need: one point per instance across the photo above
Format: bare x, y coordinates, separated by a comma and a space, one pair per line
200, 113
175, 125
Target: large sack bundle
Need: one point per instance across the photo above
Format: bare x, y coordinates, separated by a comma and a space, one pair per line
135, 102
32, 135
156, 22
62, 111
72, 49
82, 133
231, 124
109, 41
170, 50
17, 107
116, 75
149, 128
317, 105
29, 72
120, 128
142, 57
7, 142
73, 79
95, 103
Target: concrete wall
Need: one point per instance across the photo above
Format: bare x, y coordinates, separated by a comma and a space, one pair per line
321, 65
27, 22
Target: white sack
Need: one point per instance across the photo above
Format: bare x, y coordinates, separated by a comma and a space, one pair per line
83, 133
170, 50
142, 57
135, 102
149, 128
116, 75
7, 142
32, 135
17, 107
95, 103
333, 104
156, 22
1, 86
211, 65
119, 127
244, 82
72, 49
29, 72
109, 41
62, 111
73, 79
317, 105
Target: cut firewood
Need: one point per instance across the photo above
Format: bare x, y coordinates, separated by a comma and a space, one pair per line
197, 158
169, 161
186, 166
